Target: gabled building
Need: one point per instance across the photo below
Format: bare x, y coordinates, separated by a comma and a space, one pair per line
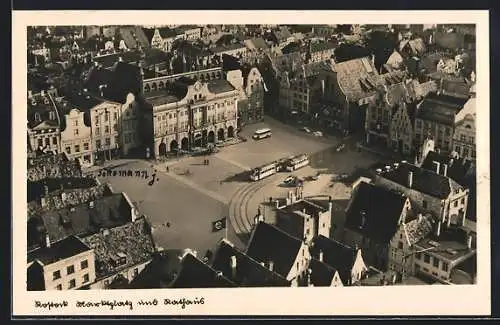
134, 37
304, 219
121, 253
243, 270
67, 264
435, 119
43, 123
429, 191
320, 274
371, 225
346, 262
280, 252
194, 273
464, 135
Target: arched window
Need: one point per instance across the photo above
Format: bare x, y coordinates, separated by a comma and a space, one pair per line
154, 87
37, 117
147, 89
161, 85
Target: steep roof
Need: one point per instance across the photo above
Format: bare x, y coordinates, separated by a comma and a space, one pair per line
259, 43
133, 240
321, 273
418, 228
196, 274
366, 215
134, 37
269, 243
42, 110
60, 250
425, 181
249, 272
160, 272
338, 256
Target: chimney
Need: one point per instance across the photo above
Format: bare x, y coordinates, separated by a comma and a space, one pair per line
271, 266
445, 170
47, 240
330, 204
438, 231
120, 59
410, 179
419, 218
30, 94
45, 190
96, 64
309, 271
469, 241
320, 256
219, 274
437, 164
233, 266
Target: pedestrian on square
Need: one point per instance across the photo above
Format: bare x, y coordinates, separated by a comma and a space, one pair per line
167, 169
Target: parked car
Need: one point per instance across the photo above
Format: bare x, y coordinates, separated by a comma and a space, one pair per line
289, 180
318, 133
305, 129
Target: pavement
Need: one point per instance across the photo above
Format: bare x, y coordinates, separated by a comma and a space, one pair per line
190, 202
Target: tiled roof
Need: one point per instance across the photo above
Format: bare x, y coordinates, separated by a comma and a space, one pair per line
456, 88
259, 43
227, 47
395, 60
315, 68
368, 216
418, 228
322, 46
291, 48
167, 32
52, 166
36, 189
357, 78
60, 250
282, 34
66, 198
248, 272
133, 239
424, 180
109, 211
84, 101
219, 86
134, 37
108, 60
148, 32
440, 108
196, 274
160, 272
338, 256
416, 45
457, 168
269, 243
41, 109
310, 208
321, 273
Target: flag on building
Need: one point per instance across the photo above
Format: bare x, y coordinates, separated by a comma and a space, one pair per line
220, 224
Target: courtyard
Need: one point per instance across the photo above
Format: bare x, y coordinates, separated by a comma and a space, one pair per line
189, 195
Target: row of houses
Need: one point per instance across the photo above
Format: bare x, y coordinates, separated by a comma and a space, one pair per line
122, 107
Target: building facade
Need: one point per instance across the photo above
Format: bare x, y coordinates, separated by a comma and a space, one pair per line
43, 123
130, 132
105, 119
76, 136
464, 137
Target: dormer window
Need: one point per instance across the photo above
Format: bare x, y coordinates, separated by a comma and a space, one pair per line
37, 117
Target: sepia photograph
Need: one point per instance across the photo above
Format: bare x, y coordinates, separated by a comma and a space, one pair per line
286, 155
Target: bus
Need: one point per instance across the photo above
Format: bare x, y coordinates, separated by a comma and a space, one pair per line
263, 171
297, 162
261, 134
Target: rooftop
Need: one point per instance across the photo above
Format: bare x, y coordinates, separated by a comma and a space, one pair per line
321, 273
337, 255
60, 250
310, 208
269, 243
132, 241
196, 274
440, 108
452, 251
106, 212
418, 229
366, 215
219, 86
41, 109
248, 272
52, 166
160, 272
424, 180
456, 168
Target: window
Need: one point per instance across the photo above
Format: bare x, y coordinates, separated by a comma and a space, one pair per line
115, 116
47, 141
445, 267
106, 117
70, 269
136, 272
117, 139
86, 146
75, 123
106, 129
400, 245
435, 262
455, 204
68, 150
462, 200
448, 131
98, 144
56, 275
76, 132
40, 142
424, 204
77, 148
466, 152
462, 137
98, 131
59, 287
84, 264
418, 256
106, 283
97, 120
54, 140
115, 127
108, 141
86, 278
72, 284
427, 258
